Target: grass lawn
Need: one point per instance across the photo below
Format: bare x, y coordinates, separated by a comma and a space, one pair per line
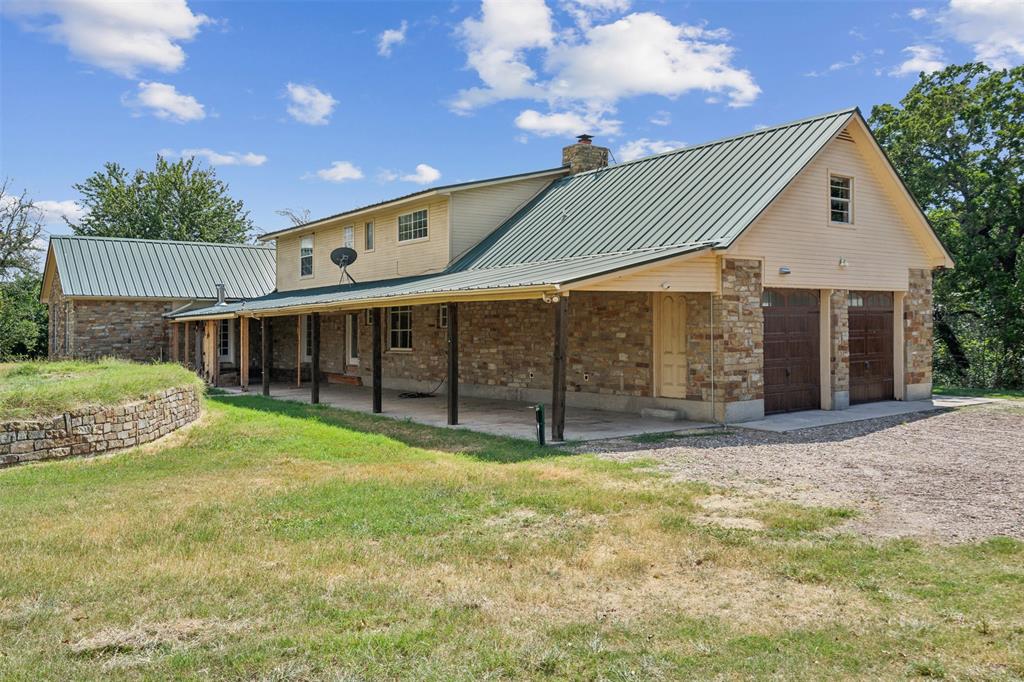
281, 541
1005, 393
42, 389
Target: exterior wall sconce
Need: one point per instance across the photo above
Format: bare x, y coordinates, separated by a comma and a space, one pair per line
843, 262
784, 270
666, 285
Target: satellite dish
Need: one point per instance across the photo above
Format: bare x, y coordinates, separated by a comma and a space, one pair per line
343, 256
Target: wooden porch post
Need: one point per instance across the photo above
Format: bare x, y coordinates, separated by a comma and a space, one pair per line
314, 368
558, 369
377, 361
453, 363
298, 351
188, 345
243, 352
265, 354
174, 342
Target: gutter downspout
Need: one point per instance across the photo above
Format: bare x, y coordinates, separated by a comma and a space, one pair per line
714, 414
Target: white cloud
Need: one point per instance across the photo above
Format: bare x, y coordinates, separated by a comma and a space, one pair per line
390, 38
993, 28
566, 123
340, 171
925, 58
917, 13
585, 12
309, 104
854, 60
220, 158
164, 101
424, 175
54, 212
644, 147
661, 118
123, 37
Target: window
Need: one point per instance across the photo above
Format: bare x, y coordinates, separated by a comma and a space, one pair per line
306, 257
442, 316
349, 237
400, 328
368, 236
412, 226
226, 340
368, 314
840, 199
352, 329
307, 337
854, 300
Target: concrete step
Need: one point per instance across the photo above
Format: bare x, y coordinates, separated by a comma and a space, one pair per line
661, 413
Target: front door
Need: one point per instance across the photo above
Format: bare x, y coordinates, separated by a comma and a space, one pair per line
791, 367
672, 345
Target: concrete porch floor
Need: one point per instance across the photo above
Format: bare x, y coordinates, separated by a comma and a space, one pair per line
497, 417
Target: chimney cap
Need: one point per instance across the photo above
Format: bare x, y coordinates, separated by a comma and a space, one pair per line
584, 138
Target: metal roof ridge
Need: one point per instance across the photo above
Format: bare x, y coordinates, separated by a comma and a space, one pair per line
89, 237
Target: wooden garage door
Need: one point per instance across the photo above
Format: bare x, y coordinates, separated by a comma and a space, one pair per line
790, 350
870, 346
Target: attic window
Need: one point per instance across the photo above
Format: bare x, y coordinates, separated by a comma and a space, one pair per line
840, 193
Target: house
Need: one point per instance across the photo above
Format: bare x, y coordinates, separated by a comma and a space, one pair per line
784, 269
108, 297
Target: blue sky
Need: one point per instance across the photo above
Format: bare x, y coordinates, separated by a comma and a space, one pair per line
329, 105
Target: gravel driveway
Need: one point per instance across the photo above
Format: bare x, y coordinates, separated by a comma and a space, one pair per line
950, 476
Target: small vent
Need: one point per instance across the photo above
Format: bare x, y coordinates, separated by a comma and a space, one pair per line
845, 135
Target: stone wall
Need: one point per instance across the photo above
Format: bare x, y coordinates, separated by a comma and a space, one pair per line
839, 348
95, 430
134, 330
740, 322
917, 334
61, 312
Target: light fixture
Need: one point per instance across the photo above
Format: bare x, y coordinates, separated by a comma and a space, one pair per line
784, 270
666, 285
843, 262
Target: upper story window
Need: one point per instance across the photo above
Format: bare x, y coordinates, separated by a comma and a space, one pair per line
368, 236
412, 226
306, 257
349, 237
400, 328
840, 192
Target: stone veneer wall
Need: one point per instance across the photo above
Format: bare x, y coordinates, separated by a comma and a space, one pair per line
61, 311
839, 303
95, 430
917, 334
134, 330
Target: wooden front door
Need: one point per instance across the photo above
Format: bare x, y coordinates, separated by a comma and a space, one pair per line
871, 351
672, 367
791, 369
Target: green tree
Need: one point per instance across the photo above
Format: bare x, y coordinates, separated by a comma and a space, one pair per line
957, 139
21, 225
176, 200
23, 319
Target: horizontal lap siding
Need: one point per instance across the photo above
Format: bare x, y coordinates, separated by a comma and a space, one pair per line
693, 274
795, 232
478, 212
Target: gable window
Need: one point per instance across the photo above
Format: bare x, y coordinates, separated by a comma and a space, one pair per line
412, 226
442, 316
368, 236
349, 237
840, 192
306, 257
226, 340
400, 328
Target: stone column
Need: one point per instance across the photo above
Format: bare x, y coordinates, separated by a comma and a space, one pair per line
839, 348
917, 334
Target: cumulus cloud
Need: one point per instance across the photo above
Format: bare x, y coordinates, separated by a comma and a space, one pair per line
424, 175
566, 123
644, 147
310, 105
993, 28
391, 37
585, 12
920, 58
340, 171
220, 158
54, 212
917, 13
661, 118
164, 101
122, 37
854, 60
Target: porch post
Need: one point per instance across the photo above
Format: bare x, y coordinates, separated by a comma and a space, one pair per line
314, 368
174, 342
188, 344
298, 351
243, 352
210, 350
558, 369
453, 363
265, 354
377, 361
197, 346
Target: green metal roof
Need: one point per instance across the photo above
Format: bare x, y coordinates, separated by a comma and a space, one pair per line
511, 277
148, 268
706, 193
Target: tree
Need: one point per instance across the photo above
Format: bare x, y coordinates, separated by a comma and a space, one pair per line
957, 139
298, 216
21, 224
23, 319
176, 200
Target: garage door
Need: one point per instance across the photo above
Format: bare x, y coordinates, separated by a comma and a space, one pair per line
790, 350
870, 346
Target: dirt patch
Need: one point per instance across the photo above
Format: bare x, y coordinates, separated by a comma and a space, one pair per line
141, 638
949, 476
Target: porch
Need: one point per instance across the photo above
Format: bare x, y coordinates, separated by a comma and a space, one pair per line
497, 417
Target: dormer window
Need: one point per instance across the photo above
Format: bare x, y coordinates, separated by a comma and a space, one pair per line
306, 257
840, 193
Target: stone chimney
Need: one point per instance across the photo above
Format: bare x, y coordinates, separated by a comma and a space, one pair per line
583, 156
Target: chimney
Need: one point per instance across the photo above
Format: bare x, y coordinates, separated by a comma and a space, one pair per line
221, 295
584, 156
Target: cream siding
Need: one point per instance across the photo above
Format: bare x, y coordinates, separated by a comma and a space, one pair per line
389, 258
687, 273
879, 247
478, 212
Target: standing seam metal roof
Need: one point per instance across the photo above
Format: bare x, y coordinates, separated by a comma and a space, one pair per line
149, 268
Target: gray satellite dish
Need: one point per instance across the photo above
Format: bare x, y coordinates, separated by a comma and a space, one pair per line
343, 257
